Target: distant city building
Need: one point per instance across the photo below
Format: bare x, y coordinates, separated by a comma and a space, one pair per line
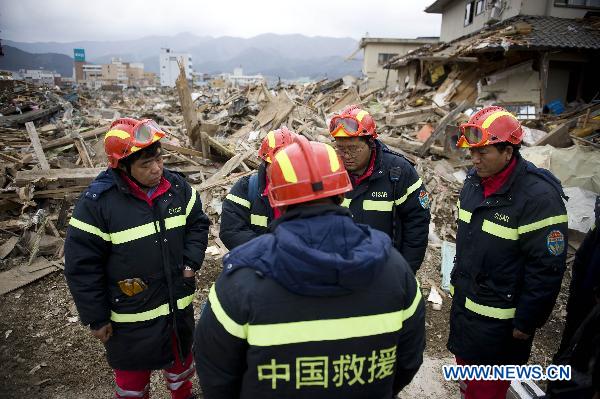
40, 77
239, 79
115, 72
169, 69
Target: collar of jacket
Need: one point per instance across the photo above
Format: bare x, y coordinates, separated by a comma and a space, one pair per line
302, 212
523, 167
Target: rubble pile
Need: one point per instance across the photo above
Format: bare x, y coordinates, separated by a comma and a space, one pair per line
52, 148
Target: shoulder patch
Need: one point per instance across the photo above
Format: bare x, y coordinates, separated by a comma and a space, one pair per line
424, 199
555, 242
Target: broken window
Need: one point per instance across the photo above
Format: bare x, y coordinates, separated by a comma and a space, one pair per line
479, 6
578, 3
522, 111
469, 12
383, 58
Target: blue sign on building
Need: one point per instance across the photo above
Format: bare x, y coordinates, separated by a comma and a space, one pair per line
79, 54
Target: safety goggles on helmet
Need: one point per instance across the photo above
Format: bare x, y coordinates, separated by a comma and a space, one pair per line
144, 131
349, 124
473, 135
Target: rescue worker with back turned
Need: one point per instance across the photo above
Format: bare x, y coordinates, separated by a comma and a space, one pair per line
320, 307
387, 192
510, 250
246, 210
136, 238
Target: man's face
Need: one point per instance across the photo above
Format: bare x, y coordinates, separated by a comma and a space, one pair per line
148, 171
355, 153
488, 160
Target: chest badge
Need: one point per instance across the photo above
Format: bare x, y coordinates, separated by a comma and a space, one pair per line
379, 194
555, 242
173, 211
502, 217
424, 199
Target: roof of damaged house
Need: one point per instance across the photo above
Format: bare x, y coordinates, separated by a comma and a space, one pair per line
523, 32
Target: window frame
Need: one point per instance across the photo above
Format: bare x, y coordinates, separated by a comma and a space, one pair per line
478, 2
385, 60
469, 13
565, 4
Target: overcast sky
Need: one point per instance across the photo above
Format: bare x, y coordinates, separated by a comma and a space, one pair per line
74, 20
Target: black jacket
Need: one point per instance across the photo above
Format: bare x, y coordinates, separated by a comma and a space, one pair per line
244, 218
510, 259
320, 308
376, 198
113, 236
585, 284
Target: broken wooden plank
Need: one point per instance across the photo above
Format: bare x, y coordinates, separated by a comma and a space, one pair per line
83, 152
20, 276
226, 169
559, 136
8, 246
37, 146
69, 140
441, 127
15, 120
64, 177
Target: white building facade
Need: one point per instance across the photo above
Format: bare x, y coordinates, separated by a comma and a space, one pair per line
169, 70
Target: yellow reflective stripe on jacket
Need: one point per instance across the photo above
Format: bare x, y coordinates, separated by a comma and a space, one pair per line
162, 310
88, 228
499, 231
451, 290
463, 215
540, 224
238, 200
134, 233
182, 303
409, 191
233, 328
383, 206
489, 311
175, 221
191, 202
346, 202
259, 220
313, 330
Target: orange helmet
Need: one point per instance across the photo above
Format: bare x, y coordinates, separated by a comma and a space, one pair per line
128, 135
304, 171
274, 141
490, 125
352, 122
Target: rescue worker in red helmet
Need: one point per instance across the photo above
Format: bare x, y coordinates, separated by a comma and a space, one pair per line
136, 238
319, 307
387, 192
510, 250
246, 212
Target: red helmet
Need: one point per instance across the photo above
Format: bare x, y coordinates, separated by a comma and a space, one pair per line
274, 141
490, 125
304, 171
352, 122
128, 135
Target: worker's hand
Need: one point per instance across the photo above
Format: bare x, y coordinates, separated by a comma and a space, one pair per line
103, 333
520, 334
188, 273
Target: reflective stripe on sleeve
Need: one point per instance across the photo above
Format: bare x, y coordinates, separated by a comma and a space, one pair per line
233, 328
259, 220
346, 202
540, 224
463, 215
409, 191
88, 228
238, 200
499, 231
182, 303
489, 311
191, 202
451, 290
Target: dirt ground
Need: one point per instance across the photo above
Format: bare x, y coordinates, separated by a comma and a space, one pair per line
46, 353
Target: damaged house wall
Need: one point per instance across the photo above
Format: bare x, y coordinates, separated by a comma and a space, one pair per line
516, 84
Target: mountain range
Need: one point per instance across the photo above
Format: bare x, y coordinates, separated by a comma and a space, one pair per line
285, 56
